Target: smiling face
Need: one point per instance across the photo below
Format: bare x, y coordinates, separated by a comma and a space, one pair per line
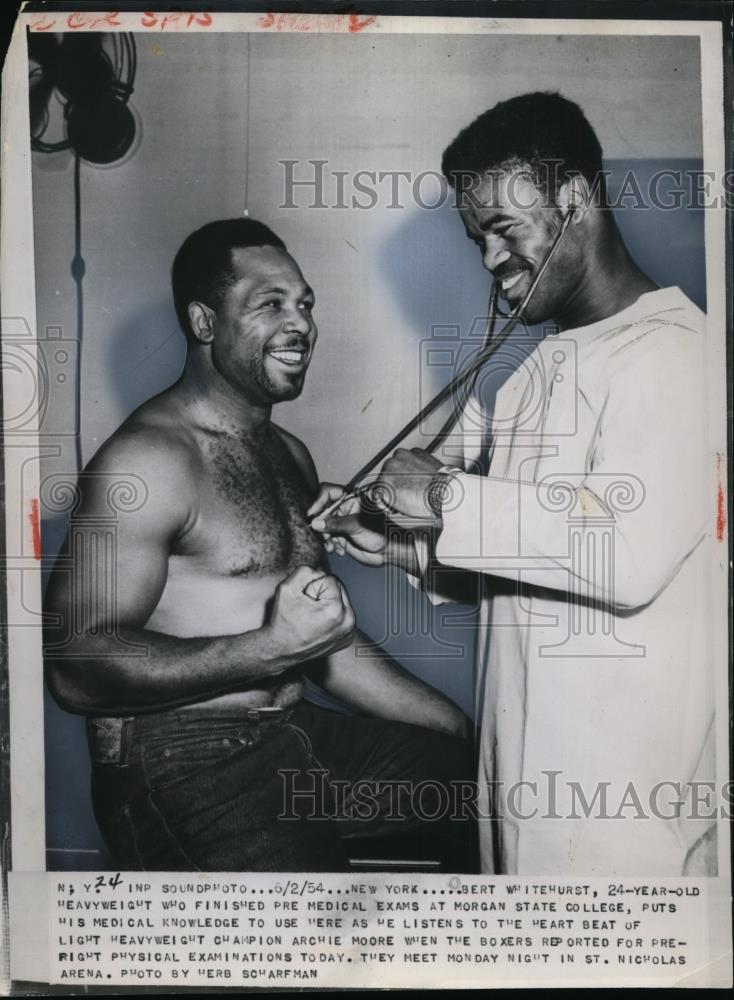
511, 222
264, 332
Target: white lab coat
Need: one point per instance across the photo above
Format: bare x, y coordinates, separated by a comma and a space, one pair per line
593, 658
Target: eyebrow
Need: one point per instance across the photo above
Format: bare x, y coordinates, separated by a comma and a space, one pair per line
493, 221
307, 291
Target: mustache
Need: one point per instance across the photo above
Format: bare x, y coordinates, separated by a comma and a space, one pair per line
508, 267
299, 343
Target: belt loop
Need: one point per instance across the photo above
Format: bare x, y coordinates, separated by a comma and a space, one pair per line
126, 739
110, 739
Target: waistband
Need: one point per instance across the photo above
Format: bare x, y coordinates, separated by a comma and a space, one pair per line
111, 738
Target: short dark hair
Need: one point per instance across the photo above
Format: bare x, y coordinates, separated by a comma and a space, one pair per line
202, 268
543, 130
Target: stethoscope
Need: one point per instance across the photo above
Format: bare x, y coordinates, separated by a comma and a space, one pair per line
462, 384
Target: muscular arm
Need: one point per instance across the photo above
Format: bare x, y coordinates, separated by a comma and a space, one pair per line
100, 657
363, 675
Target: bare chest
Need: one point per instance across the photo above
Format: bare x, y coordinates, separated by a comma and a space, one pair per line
251, 519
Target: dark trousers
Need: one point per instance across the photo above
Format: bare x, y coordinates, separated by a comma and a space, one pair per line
206, 791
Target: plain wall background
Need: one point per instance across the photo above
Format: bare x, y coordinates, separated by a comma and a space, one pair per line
217, 113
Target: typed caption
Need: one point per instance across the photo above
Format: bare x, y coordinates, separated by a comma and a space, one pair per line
327, 930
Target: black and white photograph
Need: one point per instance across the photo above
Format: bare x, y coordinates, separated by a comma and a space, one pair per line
366, 498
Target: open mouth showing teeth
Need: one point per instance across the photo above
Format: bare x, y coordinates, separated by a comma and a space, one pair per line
507, 283
288, 356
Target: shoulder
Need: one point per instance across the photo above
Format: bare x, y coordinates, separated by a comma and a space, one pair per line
146, 468
300, 454
666, 336
667, 313
139, 445
655, 368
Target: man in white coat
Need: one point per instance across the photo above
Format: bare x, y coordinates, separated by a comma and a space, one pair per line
591, 533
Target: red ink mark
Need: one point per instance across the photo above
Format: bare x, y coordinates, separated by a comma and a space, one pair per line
35, 529
316, 22
42, 23
152, 20
720, 504
357, 23
295, 22
79, 20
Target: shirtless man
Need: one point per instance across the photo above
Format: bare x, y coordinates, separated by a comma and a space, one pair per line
186, 649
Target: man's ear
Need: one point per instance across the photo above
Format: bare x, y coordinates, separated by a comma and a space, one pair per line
576, 196
202, 320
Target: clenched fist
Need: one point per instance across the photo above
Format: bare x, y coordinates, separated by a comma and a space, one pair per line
310, 616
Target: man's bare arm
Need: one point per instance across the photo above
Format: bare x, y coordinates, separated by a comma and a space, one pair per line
100, 658
375, 683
